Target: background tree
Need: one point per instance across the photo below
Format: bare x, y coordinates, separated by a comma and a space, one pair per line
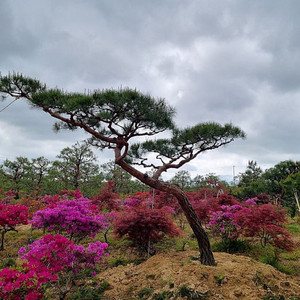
116, 118
251, 174
197, 182
75, 167
17, 172
274, 175
123, 181
39, 171
113, 172
291, 184
183, 179
6, 184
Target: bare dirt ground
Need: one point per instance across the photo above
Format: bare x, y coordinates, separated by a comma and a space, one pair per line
163, 275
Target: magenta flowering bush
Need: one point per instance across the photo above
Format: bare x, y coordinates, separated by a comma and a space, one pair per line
132, 202
222, 222
23, 283
78, 218
251, 201
137, 201
56, 259
57, 253
11, 215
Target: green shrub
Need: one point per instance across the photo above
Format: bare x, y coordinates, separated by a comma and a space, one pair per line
8, 262
237, 246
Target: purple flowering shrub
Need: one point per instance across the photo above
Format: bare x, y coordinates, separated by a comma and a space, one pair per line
77, 218
223, 224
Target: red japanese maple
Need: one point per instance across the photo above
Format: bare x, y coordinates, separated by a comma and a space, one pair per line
266, 222
143, 224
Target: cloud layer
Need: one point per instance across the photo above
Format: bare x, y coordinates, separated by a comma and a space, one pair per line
227, 61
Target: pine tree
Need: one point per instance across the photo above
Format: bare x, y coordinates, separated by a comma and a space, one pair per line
115, 118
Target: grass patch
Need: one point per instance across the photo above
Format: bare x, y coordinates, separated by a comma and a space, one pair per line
163, 295
293, 228
190, 294
145, 293
117, 261
91, 292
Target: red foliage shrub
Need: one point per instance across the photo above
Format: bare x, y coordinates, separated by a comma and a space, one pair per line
226, 199
266, 222
143, 224
205, 207
107, 199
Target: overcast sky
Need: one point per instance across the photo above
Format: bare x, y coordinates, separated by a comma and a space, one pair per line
225, 61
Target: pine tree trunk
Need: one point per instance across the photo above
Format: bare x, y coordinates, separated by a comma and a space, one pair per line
206, 255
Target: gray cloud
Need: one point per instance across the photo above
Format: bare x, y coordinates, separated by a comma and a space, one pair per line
228, 61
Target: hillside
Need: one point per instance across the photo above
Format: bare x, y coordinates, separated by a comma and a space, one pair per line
178, 274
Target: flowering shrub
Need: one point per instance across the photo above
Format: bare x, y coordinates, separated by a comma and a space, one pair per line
143, 224
32, 203
61, 260
57, 253
10, 216
251, 201
205, 207
74, 194
134, 202
78, 218
23, 283
223, 223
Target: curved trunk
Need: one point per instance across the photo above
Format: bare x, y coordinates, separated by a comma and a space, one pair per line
206, 255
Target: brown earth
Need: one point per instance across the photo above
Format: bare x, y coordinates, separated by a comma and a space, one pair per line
234, 277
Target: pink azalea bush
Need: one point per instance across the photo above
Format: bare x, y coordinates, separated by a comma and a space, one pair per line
79, 218
52, 259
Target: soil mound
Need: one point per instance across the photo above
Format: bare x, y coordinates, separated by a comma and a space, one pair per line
178, 275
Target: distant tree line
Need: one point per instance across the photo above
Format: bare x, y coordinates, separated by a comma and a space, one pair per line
280, 184
75, 168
